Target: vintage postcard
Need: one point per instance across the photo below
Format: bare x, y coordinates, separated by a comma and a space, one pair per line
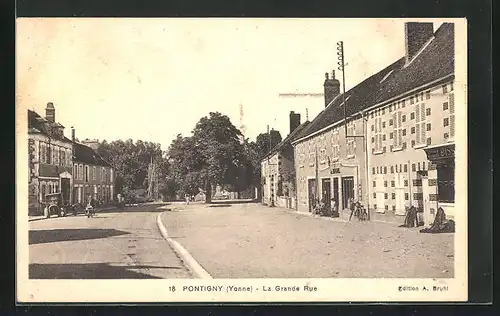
241, 160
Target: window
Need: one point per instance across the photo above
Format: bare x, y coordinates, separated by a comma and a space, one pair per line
428, 127
385, 170
385, 184
80, 169
373, 140
373, 128
391, 122
390, 108
404, 132
378, 135
374, 184
403, 104
87, 173
412, 143
383, 111
446, 135
94, 173
413, 130
374, 195
391, 135
335, 144
428, 95
420, 128
75, 172
404, 145
412, 115
398, 137
393, 195
393, 184
383, 137
373, 170
407, 196
392, 169
428, 111
423, 165
445, 88
446, 183
429, 141
403, 118
445, 106
383, 124
411, 100
386, 207
406, 183
386, 196
413, 167
419, 166
451, 99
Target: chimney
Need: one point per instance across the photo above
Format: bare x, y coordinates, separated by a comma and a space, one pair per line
294, 120
332, 88
50, 112
416, 35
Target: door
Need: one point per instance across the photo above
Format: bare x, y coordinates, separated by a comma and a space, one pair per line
336, 191
400, 194
65, 189
347, 191
326, 193
311, 188
380, 193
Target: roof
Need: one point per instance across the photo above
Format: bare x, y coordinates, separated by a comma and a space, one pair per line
88, 156
39, 125
435, 61
288, 140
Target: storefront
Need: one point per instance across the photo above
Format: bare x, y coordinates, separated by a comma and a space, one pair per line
439, 189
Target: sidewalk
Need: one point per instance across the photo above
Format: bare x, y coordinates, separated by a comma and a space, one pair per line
40, 217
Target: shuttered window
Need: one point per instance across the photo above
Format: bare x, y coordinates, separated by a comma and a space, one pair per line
451, 100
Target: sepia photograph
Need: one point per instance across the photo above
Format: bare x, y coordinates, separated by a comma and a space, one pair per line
241, 159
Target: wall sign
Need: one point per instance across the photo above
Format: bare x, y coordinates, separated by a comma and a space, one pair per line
334, 170
446, 151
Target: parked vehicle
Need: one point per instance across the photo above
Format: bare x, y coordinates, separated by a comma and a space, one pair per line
56, 204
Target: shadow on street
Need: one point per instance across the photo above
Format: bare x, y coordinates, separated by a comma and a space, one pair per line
89, 271
242, 201
55, 235
220, 205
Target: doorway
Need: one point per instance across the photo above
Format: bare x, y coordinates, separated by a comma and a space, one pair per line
311, 188
326, 189
65, 189
347, 191
336, 191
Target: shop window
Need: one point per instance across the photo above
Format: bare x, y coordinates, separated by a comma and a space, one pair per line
446, 183
446, 121
393, 196
428, 94
445, 106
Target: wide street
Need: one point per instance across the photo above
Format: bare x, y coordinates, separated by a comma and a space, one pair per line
233, 241
113, 245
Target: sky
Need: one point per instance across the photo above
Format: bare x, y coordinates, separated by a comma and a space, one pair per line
151, 79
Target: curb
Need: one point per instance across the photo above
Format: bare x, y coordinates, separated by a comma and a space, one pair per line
43, 217
185, 256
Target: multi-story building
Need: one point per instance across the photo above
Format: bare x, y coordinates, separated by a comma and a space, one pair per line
50, 159
277, 169
403, 122
92, 175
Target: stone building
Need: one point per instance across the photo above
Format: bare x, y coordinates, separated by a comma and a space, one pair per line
277, 168
50, 159
403, 120
92, 174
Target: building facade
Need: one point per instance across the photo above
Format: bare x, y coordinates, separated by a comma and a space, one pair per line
50, 160
92, 176
278, 170
400, 126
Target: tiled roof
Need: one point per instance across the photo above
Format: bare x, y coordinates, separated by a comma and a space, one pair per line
435, 61
288, 140
87, 155
39, 125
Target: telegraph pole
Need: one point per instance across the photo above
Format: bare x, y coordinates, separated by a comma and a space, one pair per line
341, 63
